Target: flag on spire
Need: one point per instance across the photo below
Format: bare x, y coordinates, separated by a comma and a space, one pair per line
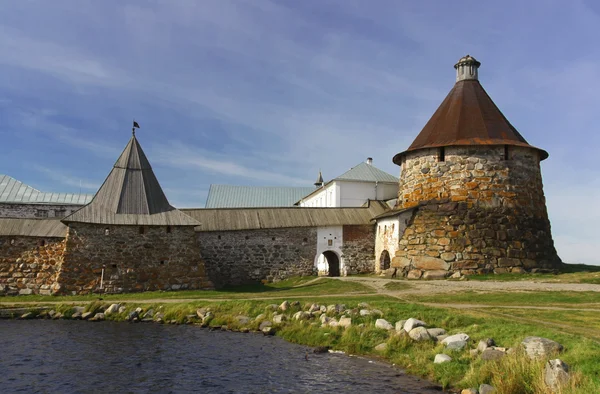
136, 125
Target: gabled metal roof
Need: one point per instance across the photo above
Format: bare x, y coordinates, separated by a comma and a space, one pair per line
264, 218
131, 195
32, 228
16, 192
229, 196
366, 173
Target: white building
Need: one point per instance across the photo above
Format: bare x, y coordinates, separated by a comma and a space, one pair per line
354, 188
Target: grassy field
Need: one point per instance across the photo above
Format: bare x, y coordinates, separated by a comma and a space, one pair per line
295, 287
569, 273
531, 298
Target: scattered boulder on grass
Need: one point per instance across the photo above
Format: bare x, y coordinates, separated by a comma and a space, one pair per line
113, 308
27, 315
412, 323
272, 307
79, 309
268, 331
377, 312
76, 316
314, 308
201, 312
278, 319
456, 345
540, 347
242, 320
383, 324
345, 322
486, 389
381, 347
485, 343
436, 332
264, 325
400, 325
364, 312
491, 354
261, 317
556, 375
295, 304
441, 358
133, 316
363, 305
86, 315
469, 391
302, 315
419, 334
285, 305
462, 337
98, 317
122, 309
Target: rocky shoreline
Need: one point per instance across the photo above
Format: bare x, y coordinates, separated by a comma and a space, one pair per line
276, 317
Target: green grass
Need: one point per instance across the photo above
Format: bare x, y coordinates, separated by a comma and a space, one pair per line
288, 288
569, 273
524, 298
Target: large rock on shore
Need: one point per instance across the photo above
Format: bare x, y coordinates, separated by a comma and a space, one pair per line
556, 375
345, 322
412, 323
383, 324
419, 334
441, 358
113, 308
537, 347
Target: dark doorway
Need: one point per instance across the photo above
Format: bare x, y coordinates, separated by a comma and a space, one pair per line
384, 260
333, 262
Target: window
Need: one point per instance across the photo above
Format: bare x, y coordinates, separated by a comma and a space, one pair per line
442, 154
42, 243
506, 153
142, 229
168, 229
60, 213
330, 242
41, 213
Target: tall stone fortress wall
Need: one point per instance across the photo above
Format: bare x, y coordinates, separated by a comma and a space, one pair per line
133, 258
30, 265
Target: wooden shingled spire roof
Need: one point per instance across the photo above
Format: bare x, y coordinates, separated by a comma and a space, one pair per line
131, 195
467, 116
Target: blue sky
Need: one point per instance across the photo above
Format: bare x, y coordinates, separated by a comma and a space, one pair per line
262, 92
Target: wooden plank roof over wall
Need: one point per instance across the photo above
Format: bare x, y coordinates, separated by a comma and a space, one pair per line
32, 228
264, 218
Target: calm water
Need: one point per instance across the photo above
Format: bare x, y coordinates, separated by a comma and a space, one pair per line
81, 357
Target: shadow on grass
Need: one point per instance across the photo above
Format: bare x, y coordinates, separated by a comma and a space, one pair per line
577, 268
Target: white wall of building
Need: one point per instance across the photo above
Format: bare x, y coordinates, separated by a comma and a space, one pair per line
351, 194
329, 238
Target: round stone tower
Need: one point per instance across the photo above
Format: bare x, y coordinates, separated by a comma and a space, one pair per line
475, 188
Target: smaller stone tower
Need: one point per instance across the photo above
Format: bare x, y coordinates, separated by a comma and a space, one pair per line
129, 238
474, 187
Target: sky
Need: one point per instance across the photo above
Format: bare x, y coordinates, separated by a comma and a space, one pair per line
265, 92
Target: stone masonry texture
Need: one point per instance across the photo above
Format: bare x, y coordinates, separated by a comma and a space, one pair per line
250, 256
358, 250
30, 211
29, 265
477, 211
133, 258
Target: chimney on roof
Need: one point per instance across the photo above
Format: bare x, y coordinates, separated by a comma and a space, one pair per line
370, 161
319, 181
466, 69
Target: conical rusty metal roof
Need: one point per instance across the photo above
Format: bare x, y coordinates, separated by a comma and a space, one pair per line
131, 195
467, 116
